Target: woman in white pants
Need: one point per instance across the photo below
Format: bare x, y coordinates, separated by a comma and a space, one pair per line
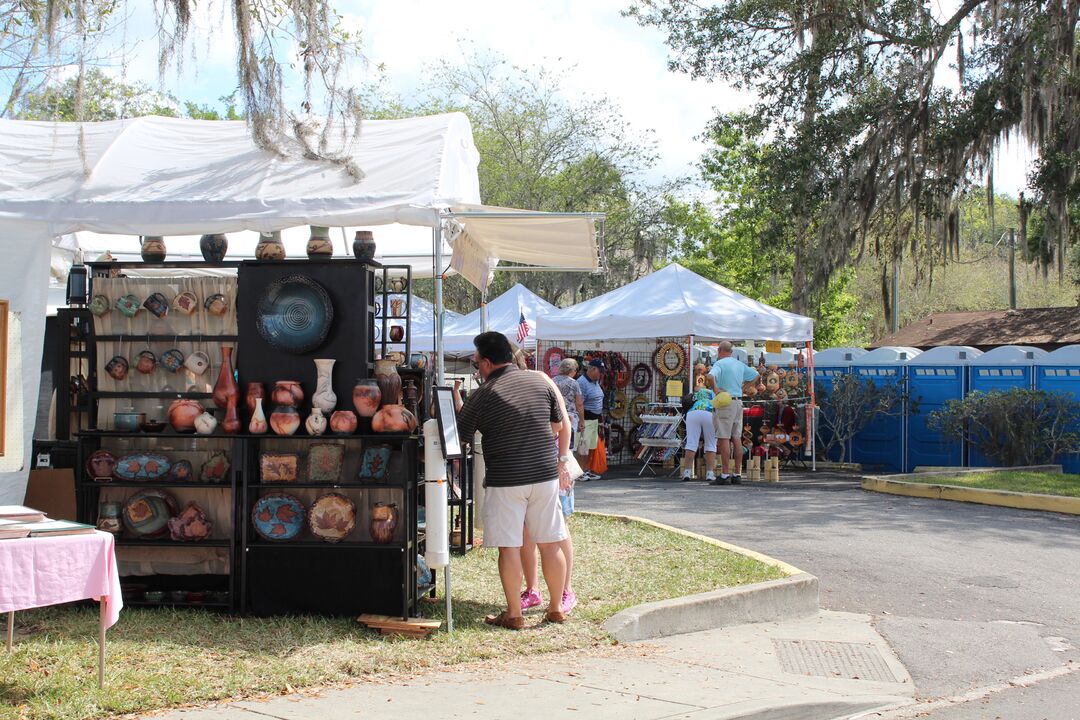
699, 429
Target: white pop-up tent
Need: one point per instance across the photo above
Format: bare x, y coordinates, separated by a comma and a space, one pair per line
674, 302
170, 177
503, 314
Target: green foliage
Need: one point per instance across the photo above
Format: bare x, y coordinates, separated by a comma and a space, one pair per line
1013, 427
853, 402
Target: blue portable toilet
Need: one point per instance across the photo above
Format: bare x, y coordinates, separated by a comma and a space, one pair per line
935, 377
1059, 372
882, 443
1002, 368
828, 364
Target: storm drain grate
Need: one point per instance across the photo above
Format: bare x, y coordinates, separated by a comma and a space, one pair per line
833, 659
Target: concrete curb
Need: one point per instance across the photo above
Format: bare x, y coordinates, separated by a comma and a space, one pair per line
792, 597
1000, 498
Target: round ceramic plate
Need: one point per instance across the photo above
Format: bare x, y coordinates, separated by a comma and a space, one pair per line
332, 517
146, 513
294, 314
278, 516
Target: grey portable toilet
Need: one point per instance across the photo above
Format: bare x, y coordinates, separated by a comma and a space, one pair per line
1059, 372
883, 442
1002, 368
934, 377
828, 365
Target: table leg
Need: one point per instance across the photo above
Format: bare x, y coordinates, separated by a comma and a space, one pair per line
10, 629
101, 644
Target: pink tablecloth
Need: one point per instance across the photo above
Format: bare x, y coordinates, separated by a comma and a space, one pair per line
35, 572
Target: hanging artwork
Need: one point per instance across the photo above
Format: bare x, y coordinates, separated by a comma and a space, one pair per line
641, 378
670, 359
552, 358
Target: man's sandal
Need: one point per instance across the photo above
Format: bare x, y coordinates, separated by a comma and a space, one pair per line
504, 620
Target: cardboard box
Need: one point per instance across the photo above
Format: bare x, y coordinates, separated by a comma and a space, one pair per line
52, 492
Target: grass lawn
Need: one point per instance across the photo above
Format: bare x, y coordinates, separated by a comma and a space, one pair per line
160, 657
1015, 480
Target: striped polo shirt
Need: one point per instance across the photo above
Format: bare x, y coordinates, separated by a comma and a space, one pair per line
514, 410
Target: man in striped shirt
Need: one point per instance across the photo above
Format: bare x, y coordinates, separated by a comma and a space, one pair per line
517, 412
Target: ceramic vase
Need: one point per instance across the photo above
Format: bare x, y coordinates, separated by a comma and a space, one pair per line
153, 248
255, 391
384, 518
270, 246
182, 414
366, 397
316, 422
227, 393
109, 517
287, 392
258, 424
213, 247
324, 397
206, 423
319, 245
285, 420
389, 382
343, 422
363, 245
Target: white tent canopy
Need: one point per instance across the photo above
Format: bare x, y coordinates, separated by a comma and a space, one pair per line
503, 315
674, 302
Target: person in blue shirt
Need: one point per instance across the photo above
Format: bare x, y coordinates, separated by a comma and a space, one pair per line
730, 373
592, 396
699, 430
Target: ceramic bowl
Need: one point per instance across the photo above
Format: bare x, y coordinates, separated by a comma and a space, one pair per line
128, 421
152, 426
146, 513
294, 314
154, 596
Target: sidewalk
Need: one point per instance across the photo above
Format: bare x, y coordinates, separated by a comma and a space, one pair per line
829, 666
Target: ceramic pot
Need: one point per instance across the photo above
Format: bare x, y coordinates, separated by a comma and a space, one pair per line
258, 424
324, 397
393, 419
186, 303
384, 518
366, 397
153, 248
182, 414
205, 423
213, 247
99, 305
343, 422
397, 333
316, 422
109, 517
230, 424
397, 284
397, 305
255, 391
216, 304
319, 245
285, 420
363, 245
389, 381
226, 391
157, 304
287, 392
117, 367
172, 360
197, 362
145, 362
411, 396
270, 246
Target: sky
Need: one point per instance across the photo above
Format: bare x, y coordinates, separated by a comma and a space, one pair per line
607, 55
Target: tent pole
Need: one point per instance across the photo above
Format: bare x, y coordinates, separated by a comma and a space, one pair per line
813, 404
440, 368
483, 311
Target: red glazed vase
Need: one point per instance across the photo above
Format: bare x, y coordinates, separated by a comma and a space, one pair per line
366, 396
226, 388
182, 414
343, 422
384, 519
287, 392
285, 420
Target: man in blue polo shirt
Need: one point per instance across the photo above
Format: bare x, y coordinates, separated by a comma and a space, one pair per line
730, 373
592, 396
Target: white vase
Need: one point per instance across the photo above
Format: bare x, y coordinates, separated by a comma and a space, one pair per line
324, 397
205, 423
258, 424
316, 422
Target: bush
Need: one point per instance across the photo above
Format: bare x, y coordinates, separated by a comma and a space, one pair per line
1013, 427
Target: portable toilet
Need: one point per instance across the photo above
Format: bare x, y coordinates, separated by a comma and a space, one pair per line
828, 365
1059, 372
882, 443
935, 377
1002, 368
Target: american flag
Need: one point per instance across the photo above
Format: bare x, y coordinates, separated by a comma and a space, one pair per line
523, 328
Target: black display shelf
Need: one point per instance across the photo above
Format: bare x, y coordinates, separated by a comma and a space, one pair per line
344, 544
328, 486
176, 604
151, 395
159, 484
169, 542
168, 264
175, 337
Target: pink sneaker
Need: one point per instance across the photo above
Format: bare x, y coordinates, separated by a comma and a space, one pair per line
569, 601
530, 598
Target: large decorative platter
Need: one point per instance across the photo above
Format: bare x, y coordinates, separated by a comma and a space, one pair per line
146, 513
332, 517
278, 516
142, 466
294, 314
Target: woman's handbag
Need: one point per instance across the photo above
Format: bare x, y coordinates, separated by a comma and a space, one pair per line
598, 458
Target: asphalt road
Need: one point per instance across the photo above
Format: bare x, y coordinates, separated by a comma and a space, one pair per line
969, 596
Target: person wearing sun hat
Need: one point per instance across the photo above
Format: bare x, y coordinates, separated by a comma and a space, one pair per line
593, 402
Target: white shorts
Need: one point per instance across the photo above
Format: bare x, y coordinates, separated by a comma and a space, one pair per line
536, 506
699, 427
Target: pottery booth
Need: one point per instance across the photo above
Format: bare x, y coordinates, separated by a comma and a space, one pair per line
645, 332
157, 334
